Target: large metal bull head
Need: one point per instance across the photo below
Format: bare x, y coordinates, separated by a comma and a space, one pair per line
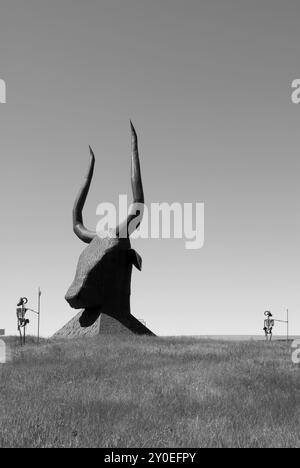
103, 276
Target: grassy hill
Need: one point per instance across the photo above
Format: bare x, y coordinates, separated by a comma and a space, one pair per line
149, 392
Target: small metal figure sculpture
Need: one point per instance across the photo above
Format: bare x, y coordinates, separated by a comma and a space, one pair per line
22, 321
268, 325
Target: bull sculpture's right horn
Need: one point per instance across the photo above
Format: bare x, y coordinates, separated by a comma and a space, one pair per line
136, 210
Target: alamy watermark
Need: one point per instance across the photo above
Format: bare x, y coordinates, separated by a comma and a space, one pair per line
158, 221
296, 352
2, 352
2, 92
295, 96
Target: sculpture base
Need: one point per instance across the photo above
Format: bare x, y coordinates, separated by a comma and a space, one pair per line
102, 324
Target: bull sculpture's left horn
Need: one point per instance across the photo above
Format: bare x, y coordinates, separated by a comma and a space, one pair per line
78, 227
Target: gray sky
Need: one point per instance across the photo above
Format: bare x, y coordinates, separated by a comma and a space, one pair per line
207, 85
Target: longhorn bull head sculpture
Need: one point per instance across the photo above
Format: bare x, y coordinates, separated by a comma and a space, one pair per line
103, 277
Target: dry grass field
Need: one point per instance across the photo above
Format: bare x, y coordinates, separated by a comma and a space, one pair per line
149, 392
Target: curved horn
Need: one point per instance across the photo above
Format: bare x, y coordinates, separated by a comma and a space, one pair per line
78, 227
135, 214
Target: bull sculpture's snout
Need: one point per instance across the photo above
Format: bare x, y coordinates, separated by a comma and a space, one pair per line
103, 276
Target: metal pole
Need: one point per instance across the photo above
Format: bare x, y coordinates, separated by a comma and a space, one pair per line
287, 327
39, 312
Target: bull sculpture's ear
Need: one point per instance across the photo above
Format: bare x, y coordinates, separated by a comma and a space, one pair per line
135, 259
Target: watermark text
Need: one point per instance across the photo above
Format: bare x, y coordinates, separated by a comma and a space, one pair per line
157, 221
2, 92
295, 96
296, 352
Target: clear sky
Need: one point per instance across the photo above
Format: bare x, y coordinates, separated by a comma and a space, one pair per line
207, 85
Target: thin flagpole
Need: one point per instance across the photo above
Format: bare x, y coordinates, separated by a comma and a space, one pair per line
287, 326
39, 313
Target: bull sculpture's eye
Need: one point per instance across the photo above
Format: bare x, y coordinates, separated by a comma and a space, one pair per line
102, 282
